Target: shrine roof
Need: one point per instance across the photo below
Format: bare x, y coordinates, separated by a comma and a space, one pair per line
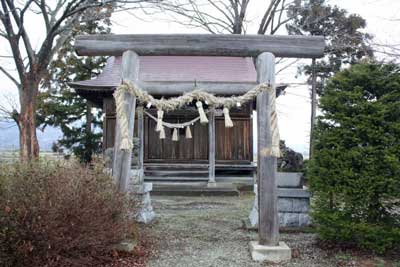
177, 69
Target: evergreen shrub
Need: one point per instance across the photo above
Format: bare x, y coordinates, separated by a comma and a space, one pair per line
354, 174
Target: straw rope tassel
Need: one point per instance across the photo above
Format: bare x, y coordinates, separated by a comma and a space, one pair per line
160, 115
275, 149
203, 117
188, 133
162, 133
174, 125
126, 141
228, 120
175, 135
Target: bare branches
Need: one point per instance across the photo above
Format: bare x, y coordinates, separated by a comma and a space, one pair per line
12, 38
9, 109
223, 16
225, 10
288, 65
19, 21
59, 19
60, 27
9, 76
220, 16
45, 12
274, 16
392, 51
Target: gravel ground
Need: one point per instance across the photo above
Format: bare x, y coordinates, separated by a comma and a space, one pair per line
208, 231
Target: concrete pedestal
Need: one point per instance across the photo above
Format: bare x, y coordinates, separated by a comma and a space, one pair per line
274, 254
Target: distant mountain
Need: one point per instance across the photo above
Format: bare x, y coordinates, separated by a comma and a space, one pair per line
9, 137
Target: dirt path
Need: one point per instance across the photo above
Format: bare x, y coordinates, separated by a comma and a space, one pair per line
207, 231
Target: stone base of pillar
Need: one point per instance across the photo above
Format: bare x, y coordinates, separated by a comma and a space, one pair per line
212, 184
127, 245
145, 213
253, 217
274, 254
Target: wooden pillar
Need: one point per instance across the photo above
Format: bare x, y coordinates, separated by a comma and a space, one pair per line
211, 146
266, 164
313, 106
141, 143
89, 117
122, 158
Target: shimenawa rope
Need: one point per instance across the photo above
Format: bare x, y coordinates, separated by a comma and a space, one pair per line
187, 98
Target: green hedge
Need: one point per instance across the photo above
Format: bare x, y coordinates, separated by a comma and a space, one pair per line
355, 171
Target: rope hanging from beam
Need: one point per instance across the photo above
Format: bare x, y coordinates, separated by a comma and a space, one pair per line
169, 125
199, 96
174, 125
174, 103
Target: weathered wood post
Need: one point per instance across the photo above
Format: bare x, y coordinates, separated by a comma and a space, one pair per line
211, 147
122, 158
268, 247
141, 143
267, 189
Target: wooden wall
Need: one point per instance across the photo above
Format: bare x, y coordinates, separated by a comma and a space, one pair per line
157, 149
233, 145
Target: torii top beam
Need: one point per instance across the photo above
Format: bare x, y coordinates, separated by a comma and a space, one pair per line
231, 45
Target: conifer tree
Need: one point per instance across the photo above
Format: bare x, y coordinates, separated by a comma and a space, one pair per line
60, 106
355, 173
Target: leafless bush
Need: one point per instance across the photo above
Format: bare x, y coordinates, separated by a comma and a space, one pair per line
60, 215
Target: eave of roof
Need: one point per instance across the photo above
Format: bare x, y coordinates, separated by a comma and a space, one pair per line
178, 69
168, 76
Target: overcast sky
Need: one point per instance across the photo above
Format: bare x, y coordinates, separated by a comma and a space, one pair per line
294, 107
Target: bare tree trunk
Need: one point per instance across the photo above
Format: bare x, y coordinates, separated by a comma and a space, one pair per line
313, 106
29, 145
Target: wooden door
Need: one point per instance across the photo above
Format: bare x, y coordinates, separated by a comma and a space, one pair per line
184, 150
233, 144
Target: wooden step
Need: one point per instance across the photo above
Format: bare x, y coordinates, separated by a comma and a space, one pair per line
176, 173
174, 178
179, 167
177, 164
193, 190
163, 166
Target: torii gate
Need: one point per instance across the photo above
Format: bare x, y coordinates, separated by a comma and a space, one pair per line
262, 47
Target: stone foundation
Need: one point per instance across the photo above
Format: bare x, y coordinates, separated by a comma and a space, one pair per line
145, 213
293, 208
